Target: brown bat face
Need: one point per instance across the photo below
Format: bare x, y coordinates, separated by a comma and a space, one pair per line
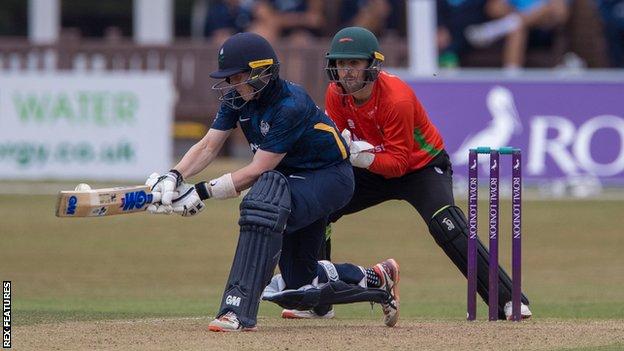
103, 202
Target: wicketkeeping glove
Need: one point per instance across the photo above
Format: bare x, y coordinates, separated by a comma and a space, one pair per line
361, 155
346, 135
360, 150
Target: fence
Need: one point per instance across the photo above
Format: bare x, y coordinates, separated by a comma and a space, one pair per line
188, 61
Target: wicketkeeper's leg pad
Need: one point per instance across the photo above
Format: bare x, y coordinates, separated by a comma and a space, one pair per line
264, 213
450, 230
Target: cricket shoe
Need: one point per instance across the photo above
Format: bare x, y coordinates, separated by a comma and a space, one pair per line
228, 323
525, 312
388, 272
309, 314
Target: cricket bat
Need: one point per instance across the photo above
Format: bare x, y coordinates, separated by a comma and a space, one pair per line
103, 202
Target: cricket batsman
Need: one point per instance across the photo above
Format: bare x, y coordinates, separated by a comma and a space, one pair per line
299, 175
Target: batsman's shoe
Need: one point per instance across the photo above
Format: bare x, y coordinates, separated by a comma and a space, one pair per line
228, 323
525, 312
309, 314
388, 272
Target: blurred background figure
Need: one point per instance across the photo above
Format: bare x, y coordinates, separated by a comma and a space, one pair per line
378, 16
227, 17
612, 13
519, 22
453, 18
296, 20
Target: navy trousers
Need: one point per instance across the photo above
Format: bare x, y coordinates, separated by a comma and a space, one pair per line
315, 194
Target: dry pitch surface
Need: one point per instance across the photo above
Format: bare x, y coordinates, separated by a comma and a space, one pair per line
191, 334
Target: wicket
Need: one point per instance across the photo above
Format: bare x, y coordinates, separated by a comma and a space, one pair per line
493, 218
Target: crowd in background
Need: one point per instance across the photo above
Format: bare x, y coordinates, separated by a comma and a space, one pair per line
518, 26
298, 20
469, 24
510, 27
612, 13
516, 33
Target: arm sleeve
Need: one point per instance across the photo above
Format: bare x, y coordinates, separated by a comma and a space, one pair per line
398, 141
288, 124
333, 109
226, 118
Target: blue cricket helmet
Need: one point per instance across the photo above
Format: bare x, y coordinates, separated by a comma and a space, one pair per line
244, 52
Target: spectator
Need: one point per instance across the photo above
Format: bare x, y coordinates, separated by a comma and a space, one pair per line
227, 17
513, 19
371, 14
453, 18
296, 19
612, 13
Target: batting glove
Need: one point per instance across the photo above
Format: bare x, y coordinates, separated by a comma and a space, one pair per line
165, 186
156, 207
151, 181
189, 202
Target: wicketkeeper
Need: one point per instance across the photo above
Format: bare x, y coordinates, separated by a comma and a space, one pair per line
397, 154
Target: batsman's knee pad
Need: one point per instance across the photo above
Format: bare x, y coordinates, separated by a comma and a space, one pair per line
264, 213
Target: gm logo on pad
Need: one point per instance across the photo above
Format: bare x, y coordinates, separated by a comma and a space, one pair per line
233, 300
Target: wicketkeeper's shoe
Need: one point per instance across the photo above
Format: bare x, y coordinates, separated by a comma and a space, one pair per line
309, 314
388, 272
228, 323
525, 312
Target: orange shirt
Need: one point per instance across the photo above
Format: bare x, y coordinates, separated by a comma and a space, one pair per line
393, 120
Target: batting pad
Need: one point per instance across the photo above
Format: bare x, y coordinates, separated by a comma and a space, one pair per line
310, 296
264, 212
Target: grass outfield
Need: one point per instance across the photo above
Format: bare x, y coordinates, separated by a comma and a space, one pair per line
142, 266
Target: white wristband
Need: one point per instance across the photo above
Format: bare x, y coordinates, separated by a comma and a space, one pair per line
222, 187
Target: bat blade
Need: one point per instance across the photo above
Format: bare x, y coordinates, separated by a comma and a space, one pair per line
103, 202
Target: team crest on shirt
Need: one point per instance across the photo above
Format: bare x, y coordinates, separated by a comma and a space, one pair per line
351, 124
264, 128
